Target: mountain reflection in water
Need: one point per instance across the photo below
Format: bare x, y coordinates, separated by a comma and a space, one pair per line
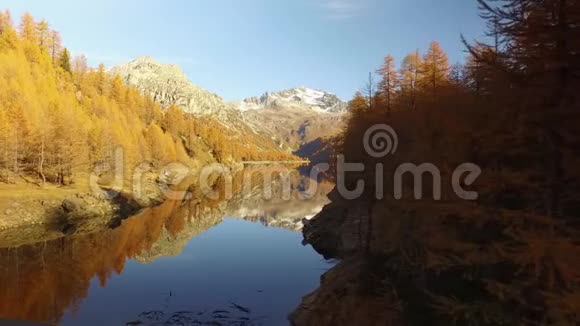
68, 280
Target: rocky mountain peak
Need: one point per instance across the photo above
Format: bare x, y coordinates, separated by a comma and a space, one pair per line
287, 118
302, 97
168, 85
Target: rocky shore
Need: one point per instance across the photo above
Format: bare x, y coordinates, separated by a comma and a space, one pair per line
343, 298
30, 214
354, 291
418, 263
374, 283
43, 215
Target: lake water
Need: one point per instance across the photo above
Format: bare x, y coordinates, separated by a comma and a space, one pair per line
237, 263
183, 263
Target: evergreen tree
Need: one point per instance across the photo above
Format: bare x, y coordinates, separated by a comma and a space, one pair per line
64, 61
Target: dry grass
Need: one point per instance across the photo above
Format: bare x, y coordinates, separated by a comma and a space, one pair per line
24, 191
9, 193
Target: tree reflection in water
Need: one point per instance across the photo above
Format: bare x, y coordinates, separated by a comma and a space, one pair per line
41, 281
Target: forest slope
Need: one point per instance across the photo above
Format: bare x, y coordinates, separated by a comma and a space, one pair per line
62, 121
501, 257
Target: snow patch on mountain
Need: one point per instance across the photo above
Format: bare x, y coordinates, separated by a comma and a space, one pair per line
301, 97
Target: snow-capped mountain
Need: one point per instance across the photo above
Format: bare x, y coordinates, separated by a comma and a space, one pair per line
285, 120
168, 85
301, 97
295, 116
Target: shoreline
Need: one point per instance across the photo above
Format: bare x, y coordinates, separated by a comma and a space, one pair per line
417, 255
30, 214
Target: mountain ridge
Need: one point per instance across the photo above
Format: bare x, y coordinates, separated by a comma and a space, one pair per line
309, 98
168, 85
287, 118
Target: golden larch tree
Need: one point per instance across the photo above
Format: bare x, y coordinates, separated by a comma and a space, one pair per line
389, 82
434, 68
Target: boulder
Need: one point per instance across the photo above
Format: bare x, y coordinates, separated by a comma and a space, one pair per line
72, 205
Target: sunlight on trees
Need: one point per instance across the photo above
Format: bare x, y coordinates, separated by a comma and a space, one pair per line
59, 118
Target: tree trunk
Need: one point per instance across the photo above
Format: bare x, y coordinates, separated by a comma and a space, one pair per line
389, 93
41, 163
16, 167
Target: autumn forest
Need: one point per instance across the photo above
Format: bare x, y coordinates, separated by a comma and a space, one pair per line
418, 253
513, 109
60, 117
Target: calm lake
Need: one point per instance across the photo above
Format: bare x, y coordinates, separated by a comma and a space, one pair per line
237, 262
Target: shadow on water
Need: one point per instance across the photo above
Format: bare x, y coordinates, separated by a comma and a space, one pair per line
319, 152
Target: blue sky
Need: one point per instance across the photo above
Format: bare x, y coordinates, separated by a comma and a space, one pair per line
241, 48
